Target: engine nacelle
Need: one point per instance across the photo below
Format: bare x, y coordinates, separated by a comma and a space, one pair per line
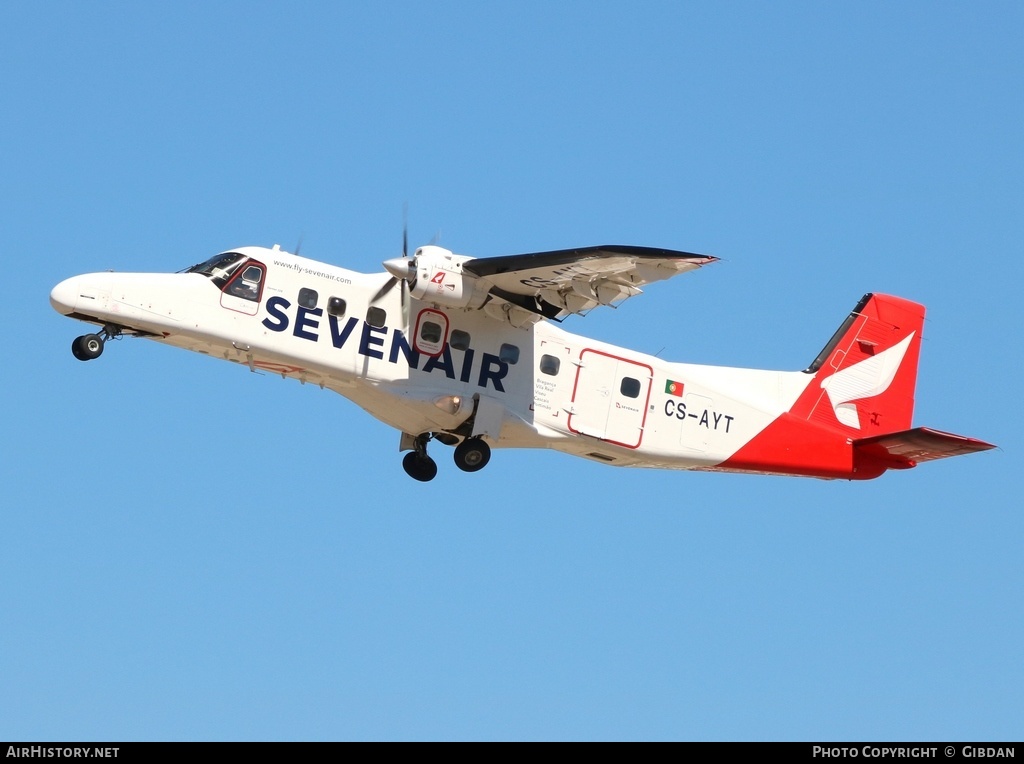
439, 278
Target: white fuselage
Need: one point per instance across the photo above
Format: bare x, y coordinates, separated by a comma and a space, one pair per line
538, 386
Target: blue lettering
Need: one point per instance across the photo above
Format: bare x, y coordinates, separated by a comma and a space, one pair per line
495, 374
276, 307
399, 343
373, 338
367, 342
467, 365
443, 361
340, 336
302, 320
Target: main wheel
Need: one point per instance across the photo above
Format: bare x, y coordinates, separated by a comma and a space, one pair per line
472, 454
421, 468
87, 347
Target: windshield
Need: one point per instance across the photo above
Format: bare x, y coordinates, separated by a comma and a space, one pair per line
219, 268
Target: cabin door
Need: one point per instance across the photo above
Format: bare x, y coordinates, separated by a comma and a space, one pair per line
610, 398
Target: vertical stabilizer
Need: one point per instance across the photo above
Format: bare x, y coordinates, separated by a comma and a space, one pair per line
864, 377
853, 420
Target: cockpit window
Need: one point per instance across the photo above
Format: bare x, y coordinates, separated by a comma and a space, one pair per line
247, 284
219, 268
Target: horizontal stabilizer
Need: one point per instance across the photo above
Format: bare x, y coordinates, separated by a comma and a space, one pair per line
910, 447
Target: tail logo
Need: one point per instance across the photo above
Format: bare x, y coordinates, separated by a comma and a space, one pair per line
864, 379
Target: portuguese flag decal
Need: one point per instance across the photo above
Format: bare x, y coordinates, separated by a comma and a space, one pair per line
674, 388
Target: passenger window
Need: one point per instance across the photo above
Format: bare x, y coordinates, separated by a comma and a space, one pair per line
376, 316
430, 332
549, 365
630, 387
509, 353
308, 298
336, 306
459, 339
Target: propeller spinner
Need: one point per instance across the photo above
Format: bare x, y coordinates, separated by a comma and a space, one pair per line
402, 269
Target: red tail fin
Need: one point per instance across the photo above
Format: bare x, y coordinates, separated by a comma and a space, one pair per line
853, 420
864, 377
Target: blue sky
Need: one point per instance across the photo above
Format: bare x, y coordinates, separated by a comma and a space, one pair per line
194, 552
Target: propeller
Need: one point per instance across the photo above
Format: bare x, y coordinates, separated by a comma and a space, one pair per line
402, 269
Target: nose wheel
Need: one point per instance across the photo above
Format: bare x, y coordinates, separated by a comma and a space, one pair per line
87, 347
90, 346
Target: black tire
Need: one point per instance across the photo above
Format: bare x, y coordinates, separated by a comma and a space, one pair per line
87, 347
421, 468
472, 455
90, 346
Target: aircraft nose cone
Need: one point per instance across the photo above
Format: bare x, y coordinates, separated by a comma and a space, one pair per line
64, 295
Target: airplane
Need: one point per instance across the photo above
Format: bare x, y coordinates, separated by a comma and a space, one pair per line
469, 352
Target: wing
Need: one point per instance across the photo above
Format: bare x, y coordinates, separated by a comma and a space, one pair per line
524, 288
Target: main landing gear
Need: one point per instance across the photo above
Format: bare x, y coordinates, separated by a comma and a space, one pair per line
417, 464
90, 346
471, 454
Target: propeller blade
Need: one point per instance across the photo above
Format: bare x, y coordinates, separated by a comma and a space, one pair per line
405, 305
405, 229
388, 285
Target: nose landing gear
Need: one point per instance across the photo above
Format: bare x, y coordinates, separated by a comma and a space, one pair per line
90, 346
87, 347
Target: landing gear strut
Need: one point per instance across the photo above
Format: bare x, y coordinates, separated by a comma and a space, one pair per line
90, 346
472, 454
417, 464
